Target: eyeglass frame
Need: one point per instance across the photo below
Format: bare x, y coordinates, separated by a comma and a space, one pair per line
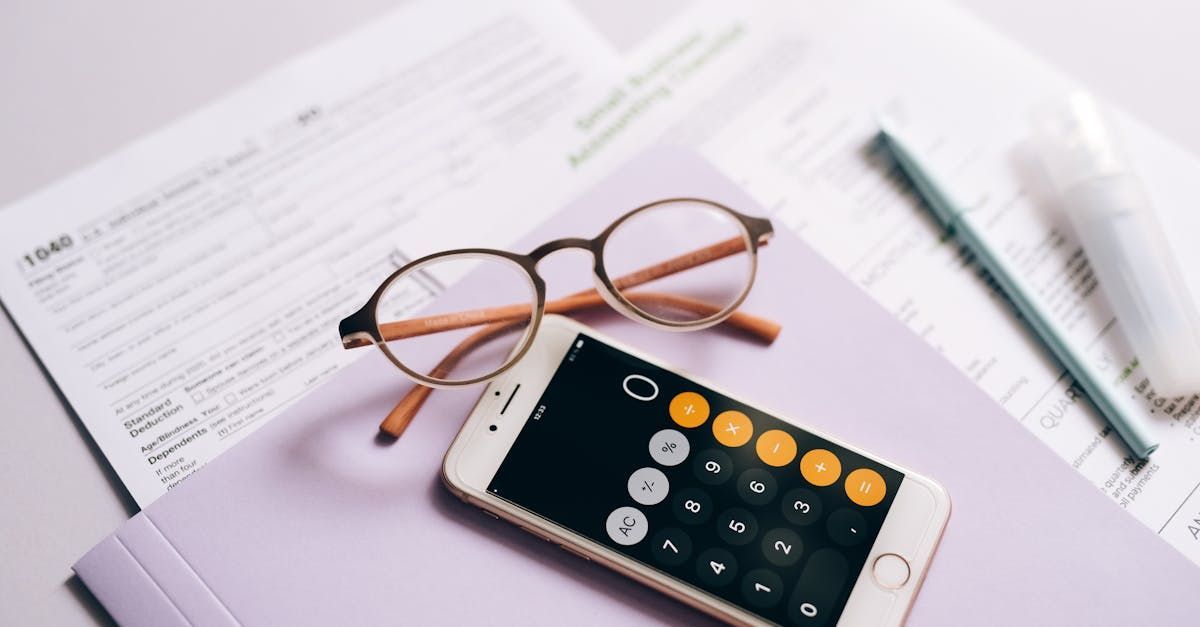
362, 326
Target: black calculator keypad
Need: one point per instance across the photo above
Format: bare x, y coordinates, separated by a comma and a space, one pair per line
708, 491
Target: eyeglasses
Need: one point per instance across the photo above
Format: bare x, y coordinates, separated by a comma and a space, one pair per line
708, 259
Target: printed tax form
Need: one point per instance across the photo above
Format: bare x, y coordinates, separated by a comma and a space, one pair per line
186, 289
202, 268
795, 125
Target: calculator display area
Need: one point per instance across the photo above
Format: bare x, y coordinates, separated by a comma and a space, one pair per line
705, 489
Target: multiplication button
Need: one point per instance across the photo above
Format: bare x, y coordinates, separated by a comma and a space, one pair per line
669, 447
716, 567
626, 526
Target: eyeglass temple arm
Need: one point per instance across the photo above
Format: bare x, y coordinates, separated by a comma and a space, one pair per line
402, 414
461, 319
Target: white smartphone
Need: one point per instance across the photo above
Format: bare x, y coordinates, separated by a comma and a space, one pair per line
708, 498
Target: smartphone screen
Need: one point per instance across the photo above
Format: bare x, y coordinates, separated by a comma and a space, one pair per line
710, 491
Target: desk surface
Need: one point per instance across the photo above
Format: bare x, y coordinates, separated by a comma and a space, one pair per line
147, 62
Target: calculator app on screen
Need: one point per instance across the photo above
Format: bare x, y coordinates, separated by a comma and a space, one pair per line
703, 488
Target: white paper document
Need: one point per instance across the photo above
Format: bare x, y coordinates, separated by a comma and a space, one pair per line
186, 289
795, 124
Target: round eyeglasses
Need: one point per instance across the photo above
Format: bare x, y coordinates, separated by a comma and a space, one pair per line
678, 264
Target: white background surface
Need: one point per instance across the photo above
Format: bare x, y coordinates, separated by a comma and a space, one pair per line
79, 79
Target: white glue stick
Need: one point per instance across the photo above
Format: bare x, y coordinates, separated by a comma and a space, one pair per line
1124, 242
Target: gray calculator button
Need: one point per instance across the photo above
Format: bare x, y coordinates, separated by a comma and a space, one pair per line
626, 526
669, 447
648, 486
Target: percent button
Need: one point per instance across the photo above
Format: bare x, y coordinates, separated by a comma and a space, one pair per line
669, 447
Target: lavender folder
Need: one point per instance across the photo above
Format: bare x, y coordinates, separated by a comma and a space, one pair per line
310, 521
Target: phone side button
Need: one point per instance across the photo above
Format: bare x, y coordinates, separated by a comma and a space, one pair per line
487, 513
535, 533
575, 552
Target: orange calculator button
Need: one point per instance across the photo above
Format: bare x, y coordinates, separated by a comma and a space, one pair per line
776, 448
689, 409
820, 467
865, 487
732, 428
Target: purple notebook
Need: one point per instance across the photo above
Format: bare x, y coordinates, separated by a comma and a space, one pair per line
310, 521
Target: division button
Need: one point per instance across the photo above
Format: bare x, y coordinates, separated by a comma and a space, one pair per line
648, 486
762, 588
671, 546
801, 506
732, 428
692, 506
737, 526
847, 527
783, 547
626, 526
776, 448
688, 409
865, 487
716, 567
820, 467
757, 486
713, 466
669, 447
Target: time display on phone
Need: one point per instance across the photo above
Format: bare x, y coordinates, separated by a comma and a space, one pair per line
712, 492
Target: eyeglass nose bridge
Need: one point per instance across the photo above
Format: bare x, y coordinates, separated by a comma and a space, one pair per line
545, 250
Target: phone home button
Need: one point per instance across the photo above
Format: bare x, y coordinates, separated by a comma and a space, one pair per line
891, 571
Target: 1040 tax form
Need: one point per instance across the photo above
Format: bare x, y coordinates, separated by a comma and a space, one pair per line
187, 288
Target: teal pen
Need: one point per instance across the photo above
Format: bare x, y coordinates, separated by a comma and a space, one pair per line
949, 212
